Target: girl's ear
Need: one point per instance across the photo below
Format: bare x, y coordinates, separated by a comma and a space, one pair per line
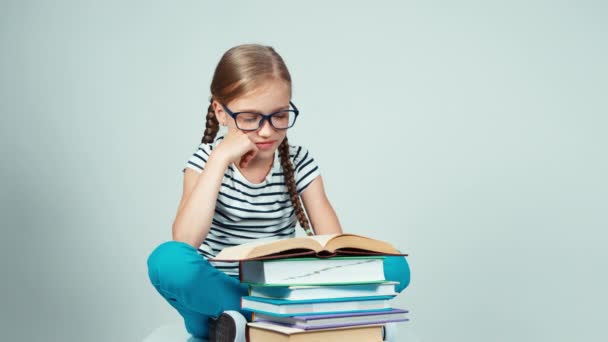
220, 115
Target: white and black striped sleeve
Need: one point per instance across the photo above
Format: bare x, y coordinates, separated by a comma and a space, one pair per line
199, 158
305, 168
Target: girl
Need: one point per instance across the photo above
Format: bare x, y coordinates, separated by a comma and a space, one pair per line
246, 185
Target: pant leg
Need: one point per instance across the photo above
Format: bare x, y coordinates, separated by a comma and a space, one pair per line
396, 268
190, 284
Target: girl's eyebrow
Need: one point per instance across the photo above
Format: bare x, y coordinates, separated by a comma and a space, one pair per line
259, 112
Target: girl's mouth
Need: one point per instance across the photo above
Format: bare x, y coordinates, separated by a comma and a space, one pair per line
265, 145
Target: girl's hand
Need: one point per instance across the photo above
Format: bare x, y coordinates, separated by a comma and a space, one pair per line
236, 147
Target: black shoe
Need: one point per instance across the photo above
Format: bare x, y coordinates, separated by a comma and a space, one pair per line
229, 327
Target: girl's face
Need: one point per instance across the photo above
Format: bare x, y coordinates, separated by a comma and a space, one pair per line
271, 98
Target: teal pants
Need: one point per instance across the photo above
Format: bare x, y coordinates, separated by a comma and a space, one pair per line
198, 291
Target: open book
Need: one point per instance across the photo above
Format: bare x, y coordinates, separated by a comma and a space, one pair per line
322, 246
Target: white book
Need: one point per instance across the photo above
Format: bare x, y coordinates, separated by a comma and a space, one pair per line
307, 271
302, 292
334, 320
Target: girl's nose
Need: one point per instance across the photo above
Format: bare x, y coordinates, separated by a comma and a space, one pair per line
266, 130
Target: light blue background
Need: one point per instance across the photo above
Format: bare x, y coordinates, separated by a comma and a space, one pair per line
471, 134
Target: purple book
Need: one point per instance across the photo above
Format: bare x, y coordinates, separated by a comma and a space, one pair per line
312, 322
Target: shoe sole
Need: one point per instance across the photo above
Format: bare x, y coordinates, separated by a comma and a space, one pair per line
230, 327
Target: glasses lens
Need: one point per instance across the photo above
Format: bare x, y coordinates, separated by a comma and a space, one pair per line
283, 119
248, 121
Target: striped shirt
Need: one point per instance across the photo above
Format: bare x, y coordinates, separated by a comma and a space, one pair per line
247, 211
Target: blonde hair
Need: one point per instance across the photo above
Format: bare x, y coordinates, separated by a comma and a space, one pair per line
241, 70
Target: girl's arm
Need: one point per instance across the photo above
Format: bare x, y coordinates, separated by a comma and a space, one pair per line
197, 206
320, 212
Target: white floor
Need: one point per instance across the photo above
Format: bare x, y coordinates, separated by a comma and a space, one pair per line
177, 333
171, 333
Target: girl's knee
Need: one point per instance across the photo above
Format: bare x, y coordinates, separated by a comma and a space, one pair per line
169, 261
396, 268
167, 252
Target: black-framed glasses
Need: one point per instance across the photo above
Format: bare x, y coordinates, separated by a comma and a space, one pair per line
252, 121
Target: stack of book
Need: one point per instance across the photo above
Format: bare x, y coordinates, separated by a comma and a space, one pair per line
319, 288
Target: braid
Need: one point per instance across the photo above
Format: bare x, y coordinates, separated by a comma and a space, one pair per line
291, 187
211, 125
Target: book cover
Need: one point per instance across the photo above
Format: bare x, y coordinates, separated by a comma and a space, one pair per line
312, 322
301, 292
267, 332
312, 270
307, 307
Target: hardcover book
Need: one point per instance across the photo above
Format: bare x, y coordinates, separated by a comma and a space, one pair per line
338, 290
279, 307
302, 271
267, 332
312, 322
322, 246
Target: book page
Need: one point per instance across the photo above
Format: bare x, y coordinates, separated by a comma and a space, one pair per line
270, 246
322, 239
360, 242
275, 327
243, 250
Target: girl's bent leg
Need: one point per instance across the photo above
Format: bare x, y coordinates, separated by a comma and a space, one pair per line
396, 268
195, 288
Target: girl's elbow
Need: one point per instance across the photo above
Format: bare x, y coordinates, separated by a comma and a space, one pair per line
179, 234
